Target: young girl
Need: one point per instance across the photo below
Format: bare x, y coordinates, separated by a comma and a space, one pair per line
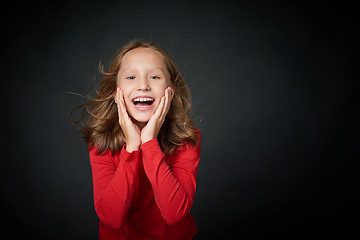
144, 149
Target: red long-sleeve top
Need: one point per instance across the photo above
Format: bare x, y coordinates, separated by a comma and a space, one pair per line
145, 194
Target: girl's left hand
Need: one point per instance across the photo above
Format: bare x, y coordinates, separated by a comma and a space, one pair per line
152, 128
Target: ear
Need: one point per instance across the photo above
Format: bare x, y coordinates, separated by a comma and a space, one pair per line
114, 94
172, 85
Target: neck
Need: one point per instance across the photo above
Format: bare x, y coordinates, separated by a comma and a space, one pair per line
140, 125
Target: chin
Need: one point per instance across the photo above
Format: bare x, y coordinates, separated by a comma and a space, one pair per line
142, 118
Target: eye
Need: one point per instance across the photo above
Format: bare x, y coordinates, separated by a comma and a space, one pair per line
131, 78
155, 77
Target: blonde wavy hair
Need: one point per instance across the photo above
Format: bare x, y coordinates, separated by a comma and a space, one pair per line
102, 129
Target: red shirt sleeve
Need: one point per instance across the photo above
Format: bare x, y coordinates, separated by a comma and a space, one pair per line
173, 184
113, 183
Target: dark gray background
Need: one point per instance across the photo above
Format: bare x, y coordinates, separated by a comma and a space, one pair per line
275, 85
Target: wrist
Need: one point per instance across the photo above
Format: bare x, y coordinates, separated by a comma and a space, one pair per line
151, 144
146, 139
130, 148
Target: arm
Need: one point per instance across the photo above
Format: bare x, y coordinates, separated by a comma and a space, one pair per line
174, 186
113, 186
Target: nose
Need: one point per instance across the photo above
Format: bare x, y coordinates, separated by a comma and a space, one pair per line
143, 85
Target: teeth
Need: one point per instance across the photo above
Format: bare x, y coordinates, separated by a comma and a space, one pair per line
143, 100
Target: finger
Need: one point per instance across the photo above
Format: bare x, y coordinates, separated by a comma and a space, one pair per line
168, 99
122, 105
118, 103
160, 108
172, 94
123, 115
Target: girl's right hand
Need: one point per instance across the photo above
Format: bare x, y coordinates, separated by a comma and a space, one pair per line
130, 129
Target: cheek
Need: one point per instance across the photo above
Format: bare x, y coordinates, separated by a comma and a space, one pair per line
160, 89
126, 92
125, 88
121, 85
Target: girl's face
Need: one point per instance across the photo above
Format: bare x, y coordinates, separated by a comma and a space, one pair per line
143, 78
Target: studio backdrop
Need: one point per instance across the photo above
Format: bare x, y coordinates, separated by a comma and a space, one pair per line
275, 96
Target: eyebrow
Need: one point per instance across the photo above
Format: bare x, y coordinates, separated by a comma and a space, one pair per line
131, 69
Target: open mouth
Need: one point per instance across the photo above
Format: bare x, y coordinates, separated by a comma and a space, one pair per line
143, 101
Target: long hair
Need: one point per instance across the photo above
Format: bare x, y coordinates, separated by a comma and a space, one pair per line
102, 129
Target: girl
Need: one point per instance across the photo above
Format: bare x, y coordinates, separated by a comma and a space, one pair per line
144, 149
